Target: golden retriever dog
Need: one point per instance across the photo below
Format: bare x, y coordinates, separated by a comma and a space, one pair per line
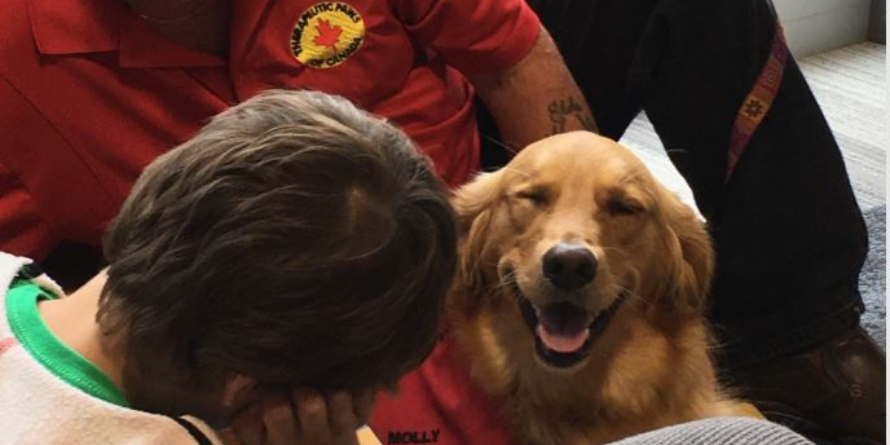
580, 294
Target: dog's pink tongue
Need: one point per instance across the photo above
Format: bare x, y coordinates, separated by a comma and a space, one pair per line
563, 327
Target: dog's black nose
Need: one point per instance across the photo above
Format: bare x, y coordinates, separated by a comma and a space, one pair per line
569, 266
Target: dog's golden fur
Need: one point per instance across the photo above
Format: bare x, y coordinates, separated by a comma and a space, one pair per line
650, 367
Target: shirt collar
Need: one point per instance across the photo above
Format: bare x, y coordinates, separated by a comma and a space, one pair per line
63, 27
31, 331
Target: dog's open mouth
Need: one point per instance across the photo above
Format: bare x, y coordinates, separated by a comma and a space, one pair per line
564, 332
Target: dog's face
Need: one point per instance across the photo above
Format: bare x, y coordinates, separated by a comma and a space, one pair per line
570, 233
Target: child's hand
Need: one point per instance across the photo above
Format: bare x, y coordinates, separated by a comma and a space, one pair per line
304, 417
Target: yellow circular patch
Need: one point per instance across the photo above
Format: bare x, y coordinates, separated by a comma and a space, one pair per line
326, 34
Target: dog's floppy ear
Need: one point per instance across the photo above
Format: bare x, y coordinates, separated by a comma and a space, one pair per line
474, 198
691, 258
474, 205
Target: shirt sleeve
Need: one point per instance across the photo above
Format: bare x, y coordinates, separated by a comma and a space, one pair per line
472, 35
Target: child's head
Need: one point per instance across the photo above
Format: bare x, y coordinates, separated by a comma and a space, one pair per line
294, 240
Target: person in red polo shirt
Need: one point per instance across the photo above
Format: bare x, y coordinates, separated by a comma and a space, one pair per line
93, 90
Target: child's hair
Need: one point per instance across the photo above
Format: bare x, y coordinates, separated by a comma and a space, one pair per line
295, 239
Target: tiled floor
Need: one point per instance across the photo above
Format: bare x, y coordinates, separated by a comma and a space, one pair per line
850, 84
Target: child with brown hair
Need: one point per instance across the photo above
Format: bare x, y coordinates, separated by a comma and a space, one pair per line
294, 242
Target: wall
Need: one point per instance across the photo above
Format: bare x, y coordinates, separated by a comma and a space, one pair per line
877, 29
813, 26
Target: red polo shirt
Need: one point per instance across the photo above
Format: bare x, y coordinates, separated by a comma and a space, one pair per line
89, 94
439, 404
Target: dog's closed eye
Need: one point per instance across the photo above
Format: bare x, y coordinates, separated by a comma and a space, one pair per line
535, 195
624, 206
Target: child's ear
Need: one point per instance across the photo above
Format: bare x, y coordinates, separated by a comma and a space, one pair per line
237, 389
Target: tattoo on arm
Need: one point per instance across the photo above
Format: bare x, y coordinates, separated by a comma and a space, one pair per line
561, 110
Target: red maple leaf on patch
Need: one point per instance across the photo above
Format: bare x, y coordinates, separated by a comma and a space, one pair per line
327, 35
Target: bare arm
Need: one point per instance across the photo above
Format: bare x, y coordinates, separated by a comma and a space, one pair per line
536, 98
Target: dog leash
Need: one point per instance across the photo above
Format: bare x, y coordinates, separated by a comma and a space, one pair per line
759, 100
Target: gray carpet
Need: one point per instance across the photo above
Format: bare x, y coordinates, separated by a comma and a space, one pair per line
873, 279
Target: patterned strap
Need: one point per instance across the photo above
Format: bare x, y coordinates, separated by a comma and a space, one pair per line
759, 100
